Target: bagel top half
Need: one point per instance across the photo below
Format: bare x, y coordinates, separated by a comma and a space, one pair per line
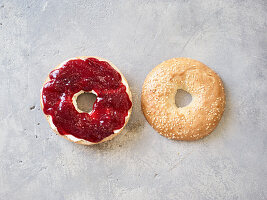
193, 121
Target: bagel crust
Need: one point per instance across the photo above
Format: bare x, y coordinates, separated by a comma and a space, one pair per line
194, 121
80, 140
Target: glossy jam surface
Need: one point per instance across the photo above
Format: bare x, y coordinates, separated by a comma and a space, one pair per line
109, 110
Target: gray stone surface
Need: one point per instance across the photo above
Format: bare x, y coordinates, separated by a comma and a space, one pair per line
229, 36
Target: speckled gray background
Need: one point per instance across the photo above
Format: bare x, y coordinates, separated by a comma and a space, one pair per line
228, 36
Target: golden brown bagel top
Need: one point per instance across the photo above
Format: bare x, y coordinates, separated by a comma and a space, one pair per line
194, 121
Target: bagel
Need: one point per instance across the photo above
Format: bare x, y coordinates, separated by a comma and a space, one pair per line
111, 110
194, 121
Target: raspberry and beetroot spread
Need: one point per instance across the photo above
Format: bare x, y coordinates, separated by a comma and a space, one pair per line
109, 110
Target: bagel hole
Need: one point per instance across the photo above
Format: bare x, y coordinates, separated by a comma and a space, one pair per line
85, 102
182, 98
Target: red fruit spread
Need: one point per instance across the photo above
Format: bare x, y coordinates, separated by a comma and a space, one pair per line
109, 110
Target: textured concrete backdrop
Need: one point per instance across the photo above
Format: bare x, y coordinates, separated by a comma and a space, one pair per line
228, 36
